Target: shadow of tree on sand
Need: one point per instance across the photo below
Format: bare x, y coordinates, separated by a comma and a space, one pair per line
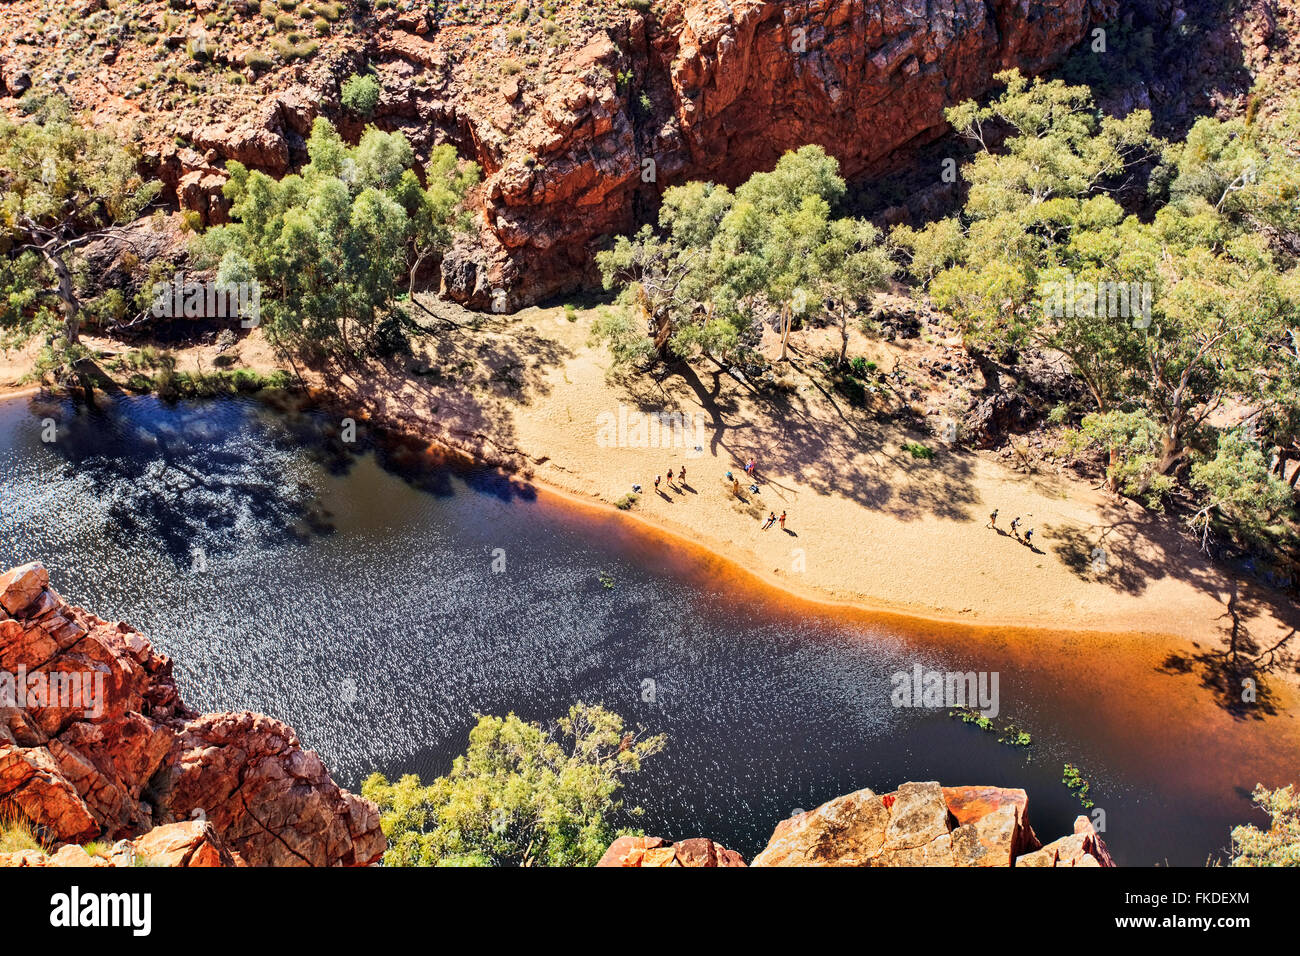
461, 386
831, 447
1237, 671
1128, 552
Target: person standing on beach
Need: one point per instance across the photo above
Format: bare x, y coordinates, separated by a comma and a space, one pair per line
735, 487
681, 475
782, 520
1015, 523
993, 519
657, 482
1029, 538
670, 477
771, 517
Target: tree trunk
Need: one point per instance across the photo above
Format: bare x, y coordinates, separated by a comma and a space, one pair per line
663, 334
785, 330
844, 338
1170, 452
67, 297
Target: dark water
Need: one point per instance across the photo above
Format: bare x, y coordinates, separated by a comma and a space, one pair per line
350, 590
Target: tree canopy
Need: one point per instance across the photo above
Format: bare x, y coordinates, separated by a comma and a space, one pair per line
1169, 319
330, 243
720, 259
519, 796
63, 185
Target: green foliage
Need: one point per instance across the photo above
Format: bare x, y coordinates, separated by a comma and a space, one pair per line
917, 450
1244, 170
968, 716
1073, 778
62, 184
1046, 182
1010, 734
627, 341
1165, 319
1133, 441
627, 501
721, 259
520, 795
329, 244
1279, 845
1237, 485
360, 93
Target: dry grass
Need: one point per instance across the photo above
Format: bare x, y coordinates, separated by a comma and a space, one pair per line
17, 833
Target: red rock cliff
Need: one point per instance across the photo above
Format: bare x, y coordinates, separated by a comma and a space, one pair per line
140, 759
717, 91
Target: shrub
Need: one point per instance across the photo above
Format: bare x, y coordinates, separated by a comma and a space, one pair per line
1280, 844
361, 94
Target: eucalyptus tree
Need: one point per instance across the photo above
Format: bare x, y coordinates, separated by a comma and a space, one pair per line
329, 244
720, 260
63, 185
519, 796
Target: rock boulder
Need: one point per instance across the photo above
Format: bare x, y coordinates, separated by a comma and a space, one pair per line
118, 754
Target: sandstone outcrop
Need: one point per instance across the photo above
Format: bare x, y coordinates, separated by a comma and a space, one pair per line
175, 844
652, 851
718, 92
116, 753
919, 824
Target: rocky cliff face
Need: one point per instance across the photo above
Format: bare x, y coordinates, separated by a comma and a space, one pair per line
919, 824
702, 90
97, 744
580, 116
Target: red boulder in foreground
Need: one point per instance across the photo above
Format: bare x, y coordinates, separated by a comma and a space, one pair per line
919, 824
652, 851
117, 753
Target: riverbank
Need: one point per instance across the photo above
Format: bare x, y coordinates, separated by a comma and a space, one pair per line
869, 523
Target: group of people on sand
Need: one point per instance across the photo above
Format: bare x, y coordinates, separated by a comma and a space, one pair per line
1027, 538
751, 469
675, 478
678, 478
